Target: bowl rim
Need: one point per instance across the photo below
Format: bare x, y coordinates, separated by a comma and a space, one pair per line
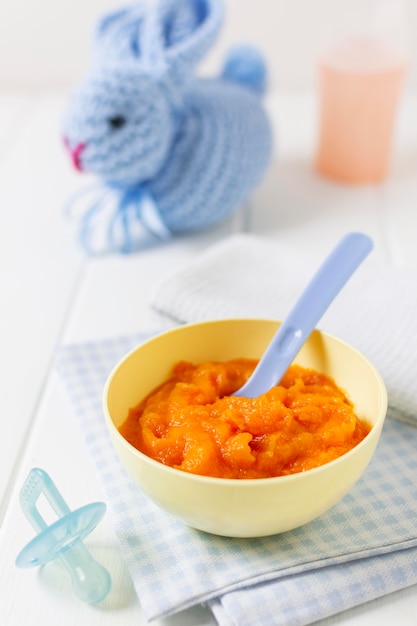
216, 480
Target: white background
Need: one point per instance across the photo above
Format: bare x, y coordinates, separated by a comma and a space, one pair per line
47, 43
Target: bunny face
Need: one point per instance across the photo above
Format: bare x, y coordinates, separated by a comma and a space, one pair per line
119, 125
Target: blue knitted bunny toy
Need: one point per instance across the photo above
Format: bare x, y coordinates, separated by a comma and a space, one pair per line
174, 153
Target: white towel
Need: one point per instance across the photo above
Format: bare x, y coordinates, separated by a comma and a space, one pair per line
244, 276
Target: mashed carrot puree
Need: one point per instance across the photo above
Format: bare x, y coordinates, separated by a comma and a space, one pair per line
192, 423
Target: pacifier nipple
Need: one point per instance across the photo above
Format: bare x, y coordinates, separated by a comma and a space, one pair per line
63, 539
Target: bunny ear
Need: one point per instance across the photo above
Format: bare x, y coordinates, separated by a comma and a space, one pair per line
165, 35
119, 35
188, 29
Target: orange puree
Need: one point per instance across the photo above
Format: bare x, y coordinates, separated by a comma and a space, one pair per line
192, 423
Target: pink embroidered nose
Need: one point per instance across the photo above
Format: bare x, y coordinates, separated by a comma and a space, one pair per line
75, 153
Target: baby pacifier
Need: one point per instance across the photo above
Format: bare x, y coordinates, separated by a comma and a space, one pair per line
63, 539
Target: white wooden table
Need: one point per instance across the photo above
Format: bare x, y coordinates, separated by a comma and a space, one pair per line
51, 293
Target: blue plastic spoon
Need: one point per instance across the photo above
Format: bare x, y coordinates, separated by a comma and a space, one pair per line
314, 301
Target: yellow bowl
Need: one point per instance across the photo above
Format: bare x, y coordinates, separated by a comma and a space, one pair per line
230, 507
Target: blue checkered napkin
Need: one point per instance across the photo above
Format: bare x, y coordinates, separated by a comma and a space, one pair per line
365, 547
311, 596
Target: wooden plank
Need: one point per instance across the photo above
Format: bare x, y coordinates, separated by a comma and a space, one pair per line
39, 265
14, 113
397, 196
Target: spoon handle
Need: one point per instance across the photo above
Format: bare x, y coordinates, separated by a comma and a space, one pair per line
314, 301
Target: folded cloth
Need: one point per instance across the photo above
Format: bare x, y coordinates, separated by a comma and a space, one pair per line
244, 276
363, 548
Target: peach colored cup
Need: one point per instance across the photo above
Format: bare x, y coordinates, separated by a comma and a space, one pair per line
230, 507
359, 89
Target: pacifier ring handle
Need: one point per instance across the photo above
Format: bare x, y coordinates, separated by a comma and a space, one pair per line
63, 539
